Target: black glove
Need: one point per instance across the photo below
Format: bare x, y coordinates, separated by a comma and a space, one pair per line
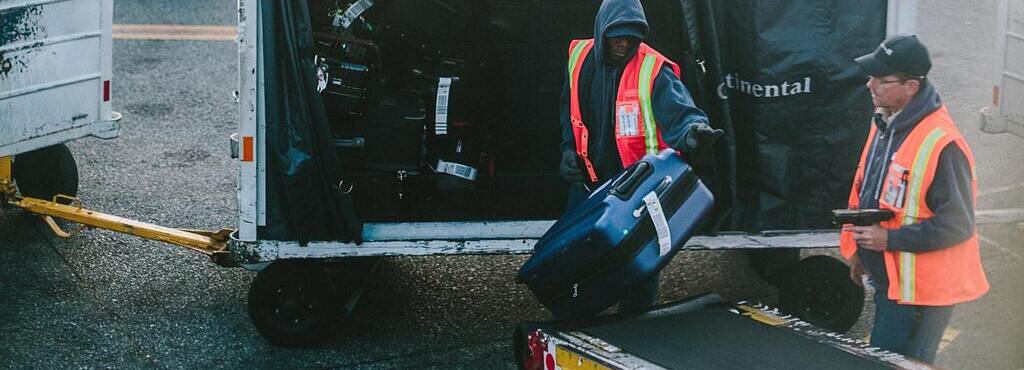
570, 168
700, 139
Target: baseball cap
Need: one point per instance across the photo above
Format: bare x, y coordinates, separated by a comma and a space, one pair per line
625, 29
897, 54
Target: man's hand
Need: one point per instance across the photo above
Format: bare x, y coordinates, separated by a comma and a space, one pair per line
700, 137
856, 270
569, 168
872, 237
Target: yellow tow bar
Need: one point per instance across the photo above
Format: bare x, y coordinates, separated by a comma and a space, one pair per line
210, 243
213, 244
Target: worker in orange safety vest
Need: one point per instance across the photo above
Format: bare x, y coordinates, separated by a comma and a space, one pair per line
915, 163
622, 100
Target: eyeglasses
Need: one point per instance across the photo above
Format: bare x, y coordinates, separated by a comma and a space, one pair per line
886, 82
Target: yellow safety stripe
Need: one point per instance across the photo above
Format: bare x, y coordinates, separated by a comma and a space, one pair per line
644, 90
574, 55
908, 262
914, 198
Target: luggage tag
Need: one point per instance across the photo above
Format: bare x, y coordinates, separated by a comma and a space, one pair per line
456, 169
660, 223
896, 186
345, 19
444, 85
628, 117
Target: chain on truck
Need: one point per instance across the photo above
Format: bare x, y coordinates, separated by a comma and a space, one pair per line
379, 128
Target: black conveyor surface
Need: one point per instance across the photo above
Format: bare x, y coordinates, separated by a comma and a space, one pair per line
714, 338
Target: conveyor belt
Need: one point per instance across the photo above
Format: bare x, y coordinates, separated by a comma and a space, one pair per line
715, 338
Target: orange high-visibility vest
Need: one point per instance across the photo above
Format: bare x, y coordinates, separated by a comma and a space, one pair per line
636, 131
936, 278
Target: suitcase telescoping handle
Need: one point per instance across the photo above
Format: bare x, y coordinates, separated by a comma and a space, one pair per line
626, 185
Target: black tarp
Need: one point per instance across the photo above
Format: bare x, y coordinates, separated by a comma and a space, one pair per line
306, 198
798, 104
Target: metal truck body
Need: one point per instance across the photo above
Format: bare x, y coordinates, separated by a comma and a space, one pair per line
55, 73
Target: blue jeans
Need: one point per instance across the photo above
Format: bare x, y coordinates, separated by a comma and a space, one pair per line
913, 331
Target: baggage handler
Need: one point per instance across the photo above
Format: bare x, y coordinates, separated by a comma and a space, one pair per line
925, 259
621, 100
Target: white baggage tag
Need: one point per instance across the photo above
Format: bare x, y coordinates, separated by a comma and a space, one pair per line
456, 169
355, 10
660, 223
441, 112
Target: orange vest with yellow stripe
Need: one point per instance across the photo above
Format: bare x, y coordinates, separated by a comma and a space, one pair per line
636, 132
935, 278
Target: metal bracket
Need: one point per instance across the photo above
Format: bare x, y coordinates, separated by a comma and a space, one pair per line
56, 228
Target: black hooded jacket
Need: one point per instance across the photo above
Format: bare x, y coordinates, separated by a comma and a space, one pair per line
950, 196
673, 106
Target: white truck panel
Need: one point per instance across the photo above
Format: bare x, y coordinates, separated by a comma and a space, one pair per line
901, 17
54, 51
1007, 113
248, 111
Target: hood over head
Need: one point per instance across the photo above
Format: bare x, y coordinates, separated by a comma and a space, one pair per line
618, 18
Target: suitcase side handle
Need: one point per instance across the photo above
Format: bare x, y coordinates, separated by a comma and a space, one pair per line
626, 185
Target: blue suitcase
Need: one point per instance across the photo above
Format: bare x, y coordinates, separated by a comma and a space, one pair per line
626, 231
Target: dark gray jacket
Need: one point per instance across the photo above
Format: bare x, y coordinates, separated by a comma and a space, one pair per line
673, 106
951, 196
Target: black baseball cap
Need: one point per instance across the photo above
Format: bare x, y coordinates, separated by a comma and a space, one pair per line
897, 54
634, 30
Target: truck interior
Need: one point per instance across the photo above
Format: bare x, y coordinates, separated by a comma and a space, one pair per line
436, 105
448, 110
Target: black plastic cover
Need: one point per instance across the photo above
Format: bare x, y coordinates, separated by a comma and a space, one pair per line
306, 199
798, 104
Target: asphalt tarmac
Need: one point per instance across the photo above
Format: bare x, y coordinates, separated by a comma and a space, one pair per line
105, 300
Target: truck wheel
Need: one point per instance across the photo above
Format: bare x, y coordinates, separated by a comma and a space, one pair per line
818, 290
45, 172
291, 303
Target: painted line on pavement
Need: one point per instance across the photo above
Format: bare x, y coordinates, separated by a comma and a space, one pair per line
998, 190
174, 32
948, 337
1000, 247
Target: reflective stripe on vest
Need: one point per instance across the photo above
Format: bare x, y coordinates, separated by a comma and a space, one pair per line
915, 200
647, 75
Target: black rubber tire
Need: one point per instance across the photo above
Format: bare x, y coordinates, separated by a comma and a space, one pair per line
45, 172
292, 303
818, 290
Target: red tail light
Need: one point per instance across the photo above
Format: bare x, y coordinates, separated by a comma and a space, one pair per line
533, 354
106, 91
995, 95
